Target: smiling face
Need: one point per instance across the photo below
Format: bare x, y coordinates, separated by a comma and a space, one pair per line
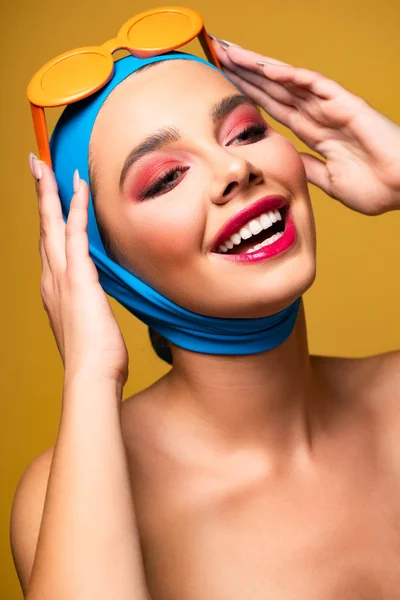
183, 162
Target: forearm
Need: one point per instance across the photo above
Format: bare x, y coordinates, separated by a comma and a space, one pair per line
88, 545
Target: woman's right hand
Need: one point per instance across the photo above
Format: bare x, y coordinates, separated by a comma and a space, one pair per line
87, 334
360, 146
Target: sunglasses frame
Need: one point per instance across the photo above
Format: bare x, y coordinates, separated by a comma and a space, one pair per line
39, 99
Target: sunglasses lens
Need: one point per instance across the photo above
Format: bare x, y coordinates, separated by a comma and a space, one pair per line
161, 30
70, 77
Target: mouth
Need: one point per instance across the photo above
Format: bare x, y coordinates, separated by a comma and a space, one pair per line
262, 230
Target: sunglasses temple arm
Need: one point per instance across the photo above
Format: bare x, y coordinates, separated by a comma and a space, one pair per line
42, 138
208, 48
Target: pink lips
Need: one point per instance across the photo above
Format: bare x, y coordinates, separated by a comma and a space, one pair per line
251, 212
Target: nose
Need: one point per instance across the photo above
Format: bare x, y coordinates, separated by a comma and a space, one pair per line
232, 175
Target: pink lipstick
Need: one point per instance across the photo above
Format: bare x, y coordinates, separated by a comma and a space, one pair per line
275, 238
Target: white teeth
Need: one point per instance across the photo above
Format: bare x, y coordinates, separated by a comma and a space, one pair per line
265, 221
255, 227
245, 233
267, 242
236, 239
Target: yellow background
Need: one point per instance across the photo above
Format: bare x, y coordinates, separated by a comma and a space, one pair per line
353, 308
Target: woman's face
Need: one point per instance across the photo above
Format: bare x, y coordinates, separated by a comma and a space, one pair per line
201, 154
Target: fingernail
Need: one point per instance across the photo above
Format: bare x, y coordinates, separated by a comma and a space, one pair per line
76, 180
212, 36
35, 167
267, 63
225, 44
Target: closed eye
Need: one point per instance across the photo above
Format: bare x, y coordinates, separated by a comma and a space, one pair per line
164, 183
254, 133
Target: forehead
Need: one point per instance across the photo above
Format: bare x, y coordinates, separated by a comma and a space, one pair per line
174, 92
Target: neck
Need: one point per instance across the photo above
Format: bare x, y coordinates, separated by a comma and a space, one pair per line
260, 399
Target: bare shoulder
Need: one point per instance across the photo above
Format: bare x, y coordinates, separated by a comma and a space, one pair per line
26, 514
374, 380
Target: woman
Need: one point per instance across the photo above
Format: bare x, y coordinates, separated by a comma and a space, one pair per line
269, 474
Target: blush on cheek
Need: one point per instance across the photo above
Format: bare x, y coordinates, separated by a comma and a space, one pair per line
167, 235
289, 165
297, 172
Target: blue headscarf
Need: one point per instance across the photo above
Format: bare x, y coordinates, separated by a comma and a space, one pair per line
70, 149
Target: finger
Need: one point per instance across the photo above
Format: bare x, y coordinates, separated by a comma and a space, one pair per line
243, 57
315, 82
278, 91
80, 265
47, 184
286, 92
52, 226
317, 172
278, 111
245, 71
44, 289
222, 56
279, 70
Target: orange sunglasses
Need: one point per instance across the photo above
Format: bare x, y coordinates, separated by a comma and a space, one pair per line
79, 73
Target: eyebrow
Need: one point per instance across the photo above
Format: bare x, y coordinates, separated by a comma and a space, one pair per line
165, 136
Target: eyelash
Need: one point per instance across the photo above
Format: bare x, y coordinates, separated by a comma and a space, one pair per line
162, 185
256, 130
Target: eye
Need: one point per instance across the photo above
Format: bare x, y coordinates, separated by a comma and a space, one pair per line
166, 182
251, 134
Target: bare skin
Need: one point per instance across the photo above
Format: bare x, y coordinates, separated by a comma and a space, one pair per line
275, 475
257, 490
272, 476
219, 516
261, 487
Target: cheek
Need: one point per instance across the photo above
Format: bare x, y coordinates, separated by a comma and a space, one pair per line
288, 166
169, 229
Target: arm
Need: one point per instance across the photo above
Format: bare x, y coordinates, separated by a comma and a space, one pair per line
87, 544
88, 495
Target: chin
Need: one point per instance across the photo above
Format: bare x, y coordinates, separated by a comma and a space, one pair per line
284, 294
270, 286
246, 292
267, 299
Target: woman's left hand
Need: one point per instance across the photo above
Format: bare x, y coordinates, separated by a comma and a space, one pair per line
361, 146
